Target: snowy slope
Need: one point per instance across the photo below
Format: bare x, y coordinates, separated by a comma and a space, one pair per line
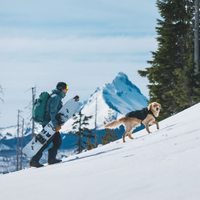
121, 95
162, 165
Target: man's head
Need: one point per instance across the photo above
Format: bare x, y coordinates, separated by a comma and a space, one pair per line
63, 87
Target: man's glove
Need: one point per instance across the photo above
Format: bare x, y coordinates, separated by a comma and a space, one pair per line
76, 98
58, 128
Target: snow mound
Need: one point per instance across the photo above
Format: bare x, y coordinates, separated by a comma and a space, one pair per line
161, 165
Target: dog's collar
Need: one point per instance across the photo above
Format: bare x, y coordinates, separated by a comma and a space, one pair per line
150, 112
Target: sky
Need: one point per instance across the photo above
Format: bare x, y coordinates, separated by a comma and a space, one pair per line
83, 43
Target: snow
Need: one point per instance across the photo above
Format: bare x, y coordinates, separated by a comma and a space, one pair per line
11, 132
4, 147
8, 132
162, 165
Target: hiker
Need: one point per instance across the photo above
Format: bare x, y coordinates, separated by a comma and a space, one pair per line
54, 104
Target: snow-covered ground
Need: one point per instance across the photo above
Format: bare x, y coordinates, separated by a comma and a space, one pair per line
162, 165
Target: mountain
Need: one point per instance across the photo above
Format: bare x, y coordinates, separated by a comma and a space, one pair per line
161, 165
121, 95
9, 133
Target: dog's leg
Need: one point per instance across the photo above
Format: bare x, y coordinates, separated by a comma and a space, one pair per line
156, 124
130, 133
147, 126
124, 135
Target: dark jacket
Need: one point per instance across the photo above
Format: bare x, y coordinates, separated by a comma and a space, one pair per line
140, 114
54, 104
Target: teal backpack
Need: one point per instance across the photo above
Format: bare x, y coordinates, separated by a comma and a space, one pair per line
39, 107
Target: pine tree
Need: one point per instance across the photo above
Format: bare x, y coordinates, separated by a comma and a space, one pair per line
172, 78
81, 131
187, 91
109, 133
89, 145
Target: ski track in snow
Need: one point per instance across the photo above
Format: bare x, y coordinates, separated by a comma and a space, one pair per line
162, 165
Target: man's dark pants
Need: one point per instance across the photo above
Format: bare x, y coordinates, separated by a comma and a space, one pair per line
52, 151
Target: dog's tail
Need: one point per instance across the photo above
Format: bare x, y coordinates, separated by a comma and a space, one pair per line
114, 124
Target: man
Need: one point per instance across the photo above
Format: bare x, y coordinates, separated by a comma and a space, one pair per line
54, 104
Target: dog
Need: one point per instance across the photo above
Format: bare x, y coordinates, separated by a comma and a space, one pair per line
131, 120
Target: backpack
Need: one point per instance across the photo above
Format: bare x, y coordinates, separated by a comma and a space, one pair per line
39, 107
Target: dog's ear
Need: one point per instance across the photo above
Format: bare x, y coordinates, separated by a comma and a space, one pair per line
160, 106
149, 106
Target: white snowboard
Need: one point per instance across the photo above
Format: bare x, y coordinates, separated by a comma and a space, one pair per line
68, 109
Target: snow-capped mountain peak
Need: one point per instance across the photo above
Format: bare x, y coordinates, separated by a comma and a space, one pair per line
122, 80
121, 95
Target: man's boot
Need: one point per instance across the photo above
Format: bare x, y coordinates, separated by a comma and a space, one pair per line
35, 164
53, 161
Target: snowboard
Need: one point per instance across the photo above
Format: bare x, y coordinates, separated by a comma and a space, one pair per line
68, 109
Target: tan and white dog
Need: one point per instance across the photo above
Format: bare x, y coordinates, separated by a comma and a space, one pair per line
134, 119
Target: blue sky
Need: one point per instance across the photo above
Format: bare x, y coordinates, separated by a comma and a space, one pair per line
83, 43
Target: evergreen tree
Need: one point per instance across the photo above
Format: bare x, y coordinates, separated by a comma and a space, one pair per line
187, 91
172, 78
89, 145
81, 131
109, 133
